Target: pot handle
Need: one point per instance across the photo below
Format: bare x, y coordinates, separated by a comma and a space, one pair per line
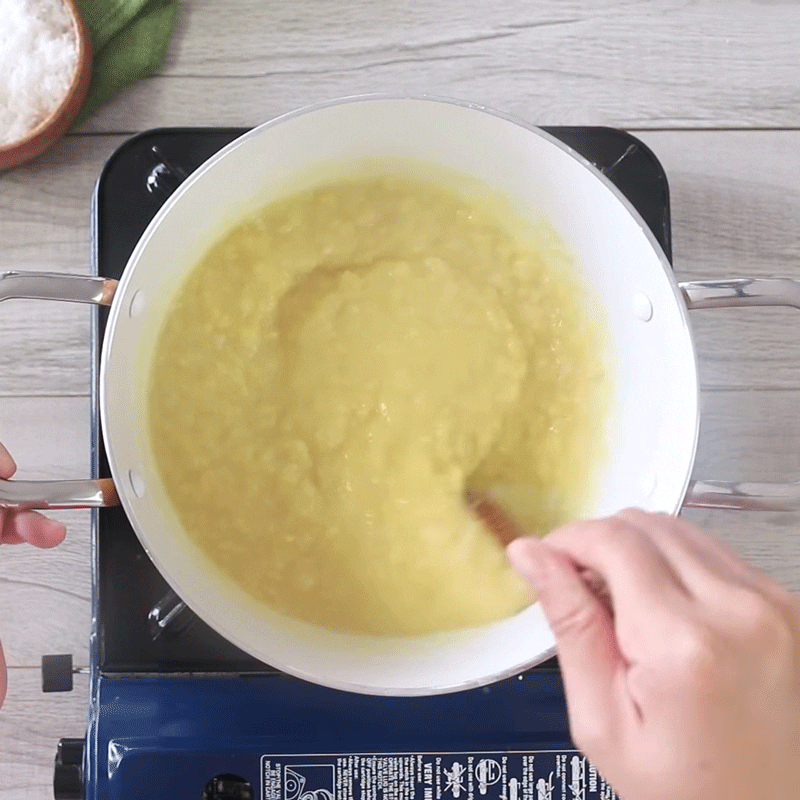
57, 286
20, 495
726, 294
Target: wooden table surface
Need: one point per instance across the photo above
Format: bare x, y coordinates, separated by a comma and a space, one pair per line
713, 88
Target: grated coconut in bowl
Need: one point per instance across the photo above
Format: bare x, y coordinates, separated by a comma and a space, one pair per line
38, 60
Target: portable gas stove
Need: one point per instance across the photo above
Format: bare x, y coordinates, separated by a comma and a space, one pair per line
176, 711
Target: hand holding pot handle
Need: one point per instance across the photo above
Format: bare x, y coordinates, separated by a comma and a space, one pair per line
684, 681
23, 526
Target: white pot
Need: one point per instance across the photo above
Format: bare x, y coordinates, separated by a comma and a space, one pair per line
652, 431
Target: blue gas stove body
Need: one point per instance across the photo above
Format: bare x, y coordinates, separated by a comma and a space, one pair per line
167, 737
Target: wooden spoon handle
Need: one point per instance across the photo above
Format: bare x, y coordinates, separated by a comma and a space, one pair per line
499, 524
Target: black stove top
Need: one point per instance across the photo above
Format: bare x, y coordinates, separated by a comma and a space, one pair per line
141, 625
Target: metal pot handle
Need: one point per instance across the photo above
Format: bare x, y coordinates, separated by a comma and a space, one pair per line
57, 494
726, 294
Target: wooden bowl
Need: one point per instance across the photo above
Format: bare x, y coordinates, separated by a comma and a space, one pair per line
50, 130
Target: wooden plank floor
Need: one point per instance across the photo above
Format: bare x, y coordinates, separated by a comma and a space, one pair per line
712, 89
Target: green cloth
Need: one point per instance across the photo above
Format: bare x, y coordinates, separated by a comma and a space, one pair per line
129, 41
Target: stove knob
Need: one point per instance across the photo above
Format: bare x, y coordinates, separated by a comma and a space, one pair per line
57, 673
68, 782
68, 773
70, 751
227, 787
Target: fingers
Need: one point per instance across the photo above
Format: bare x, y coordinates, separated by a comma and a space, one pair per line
633, 568
706, 566
688, 544
584, 629
7, 465
28, 526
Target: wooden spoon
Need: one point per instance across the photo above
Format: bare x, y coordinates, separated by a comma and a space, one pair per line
499, 523
505, 530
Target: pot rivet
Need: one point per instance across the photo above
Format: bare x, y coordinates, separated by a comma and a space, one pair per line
136, 482
642, 307
137, 303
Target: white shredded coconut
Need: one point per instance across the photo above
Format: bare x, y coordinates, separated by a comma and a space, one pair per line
38, 59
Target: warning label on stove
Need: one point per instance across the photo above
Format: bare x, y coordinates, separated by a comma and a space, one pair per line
537, 775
